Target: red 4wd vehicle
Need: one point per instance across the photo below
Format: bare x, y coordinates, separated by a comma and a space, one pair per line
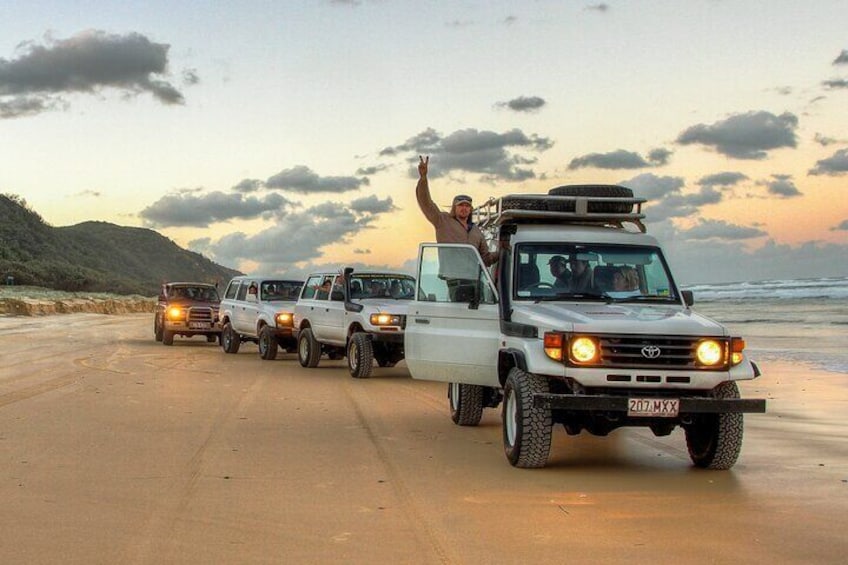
188, 309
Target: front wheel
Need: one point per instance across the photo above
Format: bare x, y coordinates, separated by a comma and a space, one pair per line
267, 344
360, 355
526, 428
308, 349
715, 440
230, 341
466, 403
167, 337
157, 329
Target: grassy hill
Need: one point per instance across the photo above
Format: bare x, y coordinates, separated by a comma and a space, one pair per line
94, 256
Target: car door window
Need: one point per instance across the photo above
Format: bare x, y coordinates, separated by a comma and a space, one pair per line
450, 273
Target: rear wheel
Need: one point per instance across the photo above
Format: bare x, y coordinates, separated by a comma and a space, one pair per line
267, 344
360, 355
466, 403
715, 440
308, 349
526, 428
230, 341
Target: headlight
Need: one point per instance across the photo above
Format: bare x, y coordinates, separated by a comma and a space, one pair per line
385, 320
584, 350
710, 352
176, 313
284, 319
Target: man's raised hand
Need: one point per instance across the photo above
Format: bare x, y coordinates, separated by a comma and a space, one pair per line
423, 164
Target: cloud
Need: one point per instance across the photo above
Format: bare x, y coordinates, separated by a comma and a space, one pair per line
719, 229
835, 83
302, 179
372, 205
620, 159
843, 225
369, 171
782, 185
304, 234
824, 141
598, 7
92, 193
842, 58
21, 106
249, 185
474, 151
834, 165
725, 179
191, 209
666, 199
86, 63
358, 251
745, 136
524, 104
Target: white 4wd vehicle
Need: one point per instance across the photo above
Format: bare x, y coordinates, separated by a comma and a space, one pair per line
583, 326
359, 314
261, 310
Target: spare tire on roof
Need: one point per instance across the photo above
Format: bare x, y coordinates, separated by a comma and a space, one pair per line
518, 203
599, 190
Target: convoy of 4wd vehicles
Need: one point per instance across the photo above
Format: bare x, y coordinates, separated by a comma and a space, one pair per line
579, 323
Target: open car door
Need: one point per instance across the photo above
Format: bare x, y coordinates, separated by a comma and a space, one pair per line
452, 329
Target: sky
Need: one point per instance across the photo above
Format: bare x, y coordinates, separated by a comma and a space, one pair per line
282, 137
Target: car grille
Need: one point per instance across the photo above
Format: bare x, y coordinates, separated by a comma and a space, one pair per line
200, 314
660, 352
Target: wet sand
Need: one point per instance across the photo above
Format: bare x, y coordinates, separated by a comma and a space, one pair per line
117, 449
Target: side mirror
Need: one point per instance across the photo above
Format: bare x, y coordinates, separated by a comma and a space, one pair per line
688, 297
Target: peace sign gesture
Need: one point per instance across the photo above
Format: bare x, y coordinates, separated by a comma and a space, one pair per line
423, 164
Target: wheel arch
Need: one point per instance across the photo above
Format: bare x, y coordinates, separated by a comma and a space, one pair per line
507, 359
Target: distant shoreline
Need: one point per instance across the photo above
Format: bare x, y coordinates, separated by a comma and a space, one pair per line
38, 301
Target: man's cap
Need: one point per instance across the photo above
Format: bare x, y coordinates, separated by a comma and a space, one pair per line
557, 259
461, 198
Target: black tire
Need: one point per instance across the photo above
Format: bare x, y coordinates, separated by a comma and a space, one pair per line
526, 429
230, 340
466, 404
308, 349
267, 344
167, 337
157, 329
600, 190
360, 356
715, 440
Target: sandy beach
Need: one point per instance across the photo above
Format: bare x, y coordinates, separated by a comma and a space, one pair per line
119, 449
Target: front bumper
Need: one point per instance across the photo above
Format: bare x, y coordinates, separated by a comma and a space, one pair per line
611, 403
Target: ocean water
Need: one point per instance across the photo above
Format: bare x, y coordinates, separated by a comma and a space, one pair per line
802, 321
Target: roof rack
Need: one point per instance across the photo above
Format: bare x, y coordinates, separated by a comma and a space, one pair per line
550, 209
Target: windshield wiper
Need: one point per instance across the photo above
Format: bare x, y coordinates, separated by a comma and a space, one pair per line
564, 295
641, 298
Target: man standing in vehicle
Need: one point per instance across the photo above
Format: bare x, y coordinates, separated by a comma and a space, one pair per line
454, 226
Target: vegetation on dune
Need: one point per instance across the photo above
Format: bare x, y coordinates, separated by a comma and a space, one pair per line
93, 256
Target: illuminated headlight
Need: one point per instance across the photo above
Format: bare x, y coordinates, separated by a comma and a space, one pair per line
710, 353
385, 320
176, 314
584, 350
284, 319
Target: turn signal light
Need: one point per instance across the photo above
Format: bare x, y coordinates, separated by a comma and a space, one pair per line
553, 345
737, 346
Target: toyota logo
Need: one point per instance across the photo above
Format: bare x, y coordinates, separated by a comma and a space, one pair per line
651, 352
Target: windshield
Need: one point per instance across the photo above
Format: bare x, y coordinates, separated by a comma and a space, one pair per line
198, 293
558, 271
400, 287
280, 290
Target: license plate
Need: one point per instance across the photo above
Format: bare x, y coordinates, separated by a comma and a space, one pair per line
653, 407
199, 325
